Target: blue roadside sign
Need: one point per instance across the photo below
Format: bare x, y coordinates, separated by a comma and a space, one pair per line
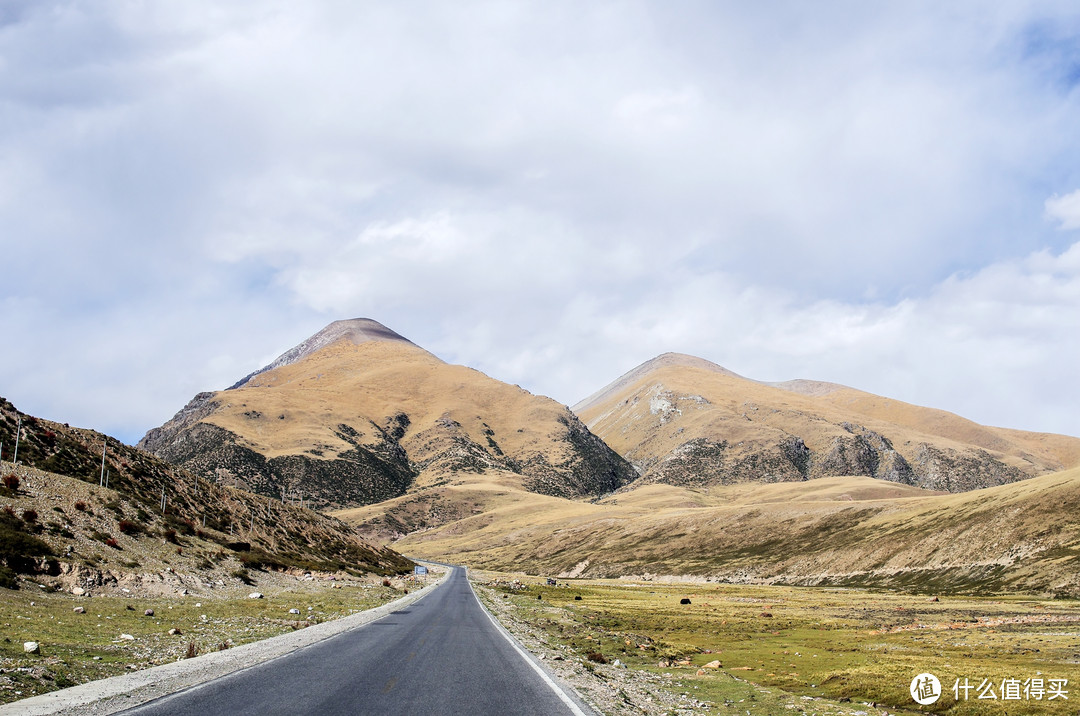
419, 570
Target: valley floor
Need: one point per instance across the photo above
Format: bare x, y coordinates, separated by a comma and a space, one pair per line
784, 650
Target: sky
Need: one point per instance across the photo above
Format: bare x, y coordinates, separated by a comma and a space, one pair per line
883, 195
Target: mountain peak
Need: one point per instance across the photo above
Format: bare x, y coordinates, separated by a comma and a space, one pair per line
352, 330
661, 361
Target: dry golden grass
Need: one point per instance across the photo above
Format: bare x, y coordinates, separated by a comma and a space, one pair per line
747, 414
850, 531
357, 384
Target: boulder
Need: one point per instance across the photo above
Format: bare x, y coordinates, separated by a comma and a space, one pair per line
712, 665
294, 611
148, 613
684, 600
78, 591
175, 632
31, 647
127, 637
255, 595
79, 610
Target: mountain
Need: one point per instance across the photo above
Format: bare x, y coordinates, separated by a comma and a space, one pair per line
685, 421
357, 414
153, 522
834, 531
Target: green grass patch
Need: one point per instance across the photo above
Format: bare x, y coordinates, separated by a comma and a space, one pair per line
70, 641
840, 645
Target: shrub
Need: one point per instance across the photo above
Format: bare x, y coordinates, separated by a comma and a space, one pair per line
192, 651
11, 482
243, 575
169, 535
128, 527
111, 542
80, 506
251, 560
597, 657
29, 516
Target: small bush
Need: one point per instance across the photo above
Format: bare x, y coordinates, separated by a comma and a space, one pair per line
597, 657
223, 646
11, 482
192, 651
111, 542
29, 516
128, 527
169, 535
386, 582
251, 560
243, 575
80, 506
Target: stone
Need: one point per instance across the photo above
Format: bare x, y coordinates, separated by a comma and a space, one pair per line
148, 613
79, 610
175, 632
127, 637
684, 600
31, 647
78, 591
255, 595
712, 665
294, 611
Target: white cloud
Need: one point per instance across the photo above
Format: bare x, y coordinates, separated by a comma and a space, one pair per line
1065, 210
549, 191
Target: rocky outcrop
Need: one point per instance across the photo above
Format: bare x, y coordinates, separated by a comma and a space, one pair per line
362, 475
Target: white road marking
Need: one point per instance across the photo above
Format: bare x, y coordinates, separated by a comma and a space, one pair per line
525, 655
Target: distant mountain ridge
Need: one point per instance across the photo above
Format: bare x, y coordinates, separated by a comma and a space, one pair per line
358, 414
682, 420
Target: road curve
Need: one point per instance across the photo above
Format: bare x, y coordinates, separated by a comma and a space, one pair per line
440, 655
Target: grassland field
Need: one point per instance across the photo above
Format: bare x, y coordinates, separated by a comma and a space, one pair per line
832, 649
77, 648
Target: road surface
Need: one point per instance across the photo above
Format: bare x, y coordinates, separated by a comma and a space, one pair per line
440, 655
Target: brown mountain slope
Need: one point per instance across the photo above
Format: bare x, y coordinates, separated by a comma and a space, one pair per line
840, 531
684, 421
358, 415
153, 523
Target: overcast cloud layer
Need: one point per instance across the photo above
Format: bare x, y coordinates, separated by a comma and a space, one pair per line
881, 195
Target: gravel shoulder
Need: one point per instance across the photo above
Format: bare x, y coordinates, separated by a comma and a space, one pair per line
115, 694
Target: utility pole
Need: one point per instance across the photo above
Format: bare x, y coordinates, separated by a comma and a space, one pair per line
103, 446
18, 432
162, 499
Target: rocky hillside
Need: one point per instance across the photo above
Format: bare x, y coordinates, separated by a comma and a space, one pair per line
684, 421
357, 414
59, 522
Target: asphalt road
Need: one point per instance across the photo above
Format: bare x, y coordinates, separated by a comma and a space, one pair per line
441, 655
